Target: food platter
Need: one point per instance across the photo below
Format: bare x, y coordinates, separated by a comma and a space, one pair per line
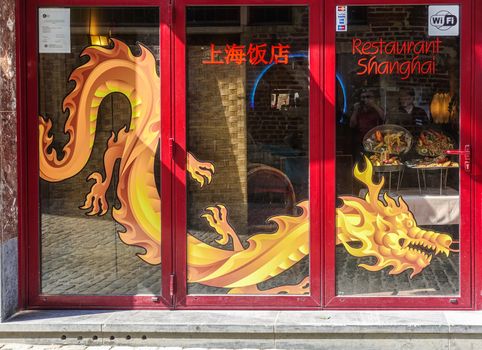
382, 163
389, 139
432, 143
431, 163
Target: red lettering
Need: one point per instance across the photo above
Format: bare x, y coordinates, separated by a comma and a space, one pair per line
403, 68
366, 48
235, 53
355, 45
257, 54
279, 54
213, 56
361, 63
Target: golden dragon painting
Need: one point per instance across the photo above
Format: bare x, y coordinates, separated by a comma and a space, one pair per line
384, 229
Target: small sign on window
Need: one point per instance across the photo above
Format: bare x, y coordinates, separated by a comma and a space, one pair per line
341, 18
54, 30
443, 20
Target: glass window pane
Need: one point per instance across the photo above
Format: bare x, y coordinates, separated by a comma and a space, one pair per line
397, 98
247, 138
99, 152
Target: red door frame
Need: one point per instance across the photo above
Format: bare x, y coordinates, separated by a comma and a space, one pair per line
322, 165
29, 168
247, 302
331, 300
477, 164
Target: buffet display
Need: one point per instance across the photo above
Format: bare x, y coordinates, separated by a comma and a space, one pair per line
386, 145
427, 162
433, 143
388, 138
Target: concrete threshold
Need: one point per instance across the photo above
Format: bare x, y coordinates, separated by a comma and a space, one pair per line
249, 329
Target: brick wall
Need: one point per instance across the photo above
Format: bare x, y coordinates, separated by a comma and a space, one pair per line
216, 124
271, 126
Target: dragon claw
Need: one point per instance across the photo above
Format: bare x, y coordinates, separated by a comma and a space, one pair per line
202, 172
217, 218
95, 199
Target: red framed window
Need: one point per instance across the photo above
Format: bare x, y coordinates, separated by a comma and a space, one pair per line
247, 114
301, 163
398, 215
477, 127
94, 241
100, 65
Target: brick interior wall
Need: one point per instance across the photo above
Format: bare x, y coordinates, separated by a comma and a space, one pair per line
271, 126
216, 124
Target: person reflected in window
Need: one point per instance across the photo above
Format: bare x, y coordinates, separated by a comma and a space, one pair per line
408, 115
366, 115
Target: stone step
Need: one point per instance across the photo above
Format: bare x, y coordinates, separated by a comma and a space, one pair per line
334, 330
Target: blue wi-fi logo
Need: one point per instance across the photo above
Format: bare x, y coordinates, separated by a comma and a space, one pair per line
443, 20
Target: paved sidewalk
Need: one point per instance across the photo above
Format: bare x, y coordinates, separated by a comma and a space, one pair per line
18, 346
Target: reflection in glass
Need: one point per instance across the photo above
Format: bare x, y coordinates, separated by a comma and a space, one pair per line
86, 160
396, 115
247, 118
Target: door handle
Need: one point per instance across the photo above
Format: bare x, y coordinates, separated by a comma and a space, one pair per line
466, 152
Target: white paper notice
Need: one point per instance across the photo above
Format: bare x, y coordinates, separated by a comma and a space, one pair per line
54, 30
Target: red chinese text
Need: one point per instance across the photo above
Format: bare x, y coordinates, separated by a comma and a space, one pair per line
254, 54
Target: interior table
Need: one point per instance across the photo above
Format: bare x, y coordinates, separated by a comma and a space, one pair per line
397, 170
444, 171
431, 207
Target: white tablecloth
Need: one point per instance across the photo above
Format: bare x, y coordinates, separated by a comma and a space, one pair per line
430, 208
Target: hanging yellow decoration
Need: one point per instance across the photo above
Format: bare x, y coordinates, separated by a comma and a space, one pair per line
439, 108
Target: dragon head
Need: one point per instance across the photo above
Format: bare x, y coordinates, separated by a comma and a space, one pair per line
386, 230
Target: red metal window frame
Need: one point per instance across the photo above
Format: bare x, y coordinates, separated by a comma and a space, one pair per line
464, 300
185, 301
322, 165
477, 161
29, 282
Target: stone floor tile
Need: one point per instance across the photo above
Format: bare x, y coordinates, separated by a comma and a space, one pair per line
16, 346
